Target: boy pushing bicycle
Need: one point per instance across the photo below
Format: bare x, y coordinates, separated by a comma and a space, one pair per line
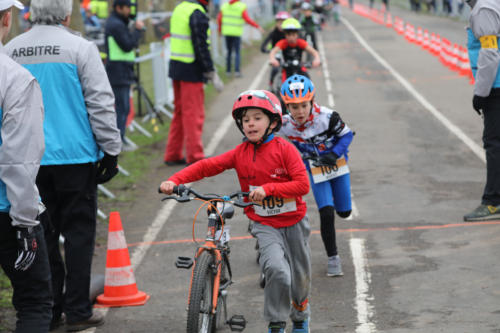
272, 170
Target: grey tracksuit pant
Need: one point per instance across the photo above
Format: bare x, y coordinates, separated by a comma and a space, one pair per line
285, 259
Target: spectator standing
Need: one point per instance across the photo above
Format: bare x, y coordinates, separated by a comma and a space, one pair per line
80, 128
231, 19
23, 253
190, 66
120, 44
483, 32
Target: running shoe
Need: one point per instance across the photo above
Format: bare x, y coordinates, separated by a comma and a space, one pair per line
483, 213
277, 327
334, 267
301, 326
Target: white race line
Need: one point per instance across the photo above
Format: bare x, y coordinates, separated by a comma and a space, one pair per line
363, 307
326, 73
165, 211
476, 149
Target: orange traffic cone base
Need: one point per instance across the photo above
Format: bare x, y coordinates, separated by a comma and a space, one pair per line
133, 300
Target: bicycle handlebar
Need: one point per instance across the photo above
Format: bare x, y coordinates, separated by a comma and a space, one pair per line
183, 195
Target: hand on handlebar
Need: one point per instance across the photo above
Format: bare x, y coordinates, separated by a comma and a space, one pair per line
167, 187
258, 194
274, 62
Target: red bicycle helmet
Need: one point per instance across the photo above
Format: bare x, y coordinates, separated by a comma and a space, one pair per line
261, 99
282, 15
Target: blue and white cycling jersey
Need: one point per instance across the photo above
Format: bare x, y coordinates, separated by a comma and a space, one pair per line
322, 133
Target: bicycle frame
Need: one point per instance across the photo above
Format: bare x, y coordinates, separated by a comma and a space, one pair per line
211, 246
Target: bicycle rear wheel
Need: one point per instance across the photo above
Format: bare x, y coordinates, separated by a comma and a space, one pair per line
199, 319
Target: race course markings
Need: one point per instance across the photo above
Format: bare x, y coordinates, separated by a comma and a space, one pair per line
351, 230
476, 149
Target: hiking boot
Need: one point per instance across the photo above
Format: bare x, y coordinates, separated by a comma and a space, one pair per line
97, 319
301, 326
483, 213
277, 327
334, 267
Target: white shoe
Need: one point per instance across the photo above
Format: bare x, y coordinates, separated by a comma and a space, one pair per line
334, 267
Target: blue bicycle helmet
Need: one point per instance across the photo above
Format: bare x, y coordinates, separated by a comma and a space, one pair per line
297, 89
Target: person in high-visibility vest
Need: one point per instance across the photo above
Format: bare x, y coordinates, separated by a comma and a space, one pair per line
231, 19
100, 8
190, 66
484, 55
120, 44
23, 251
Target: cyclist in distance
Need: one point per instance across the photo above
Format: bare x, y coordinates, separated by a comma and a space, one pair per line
271, 169
322, 138
292, 47
274, 36
309, 22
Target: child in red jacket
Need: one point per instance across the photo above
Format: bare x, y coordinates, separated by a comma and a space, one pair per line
272, 170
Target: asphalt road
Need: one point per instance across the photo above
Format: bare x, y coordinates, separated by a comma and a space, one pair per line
410, 263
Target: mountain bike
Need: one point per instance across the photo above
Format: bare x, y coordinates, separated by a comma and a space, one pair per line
211, 274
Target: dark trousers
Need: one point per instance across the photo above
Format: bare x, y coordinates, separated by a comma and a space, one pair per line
233, 43
32, 297
70, 194
491, 143
122, 106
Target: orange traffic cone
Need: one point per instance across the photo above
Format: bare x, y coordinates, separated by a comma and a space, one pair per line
426, 43
420, 38
120, 288
389, 21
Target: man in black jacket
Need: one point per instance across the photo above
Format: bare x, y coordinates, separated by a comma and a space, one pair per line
120, 45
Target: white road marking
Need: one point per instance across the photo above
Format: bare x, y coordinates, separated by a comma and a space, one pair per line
326, 73
363, 278
476, 149
165, 211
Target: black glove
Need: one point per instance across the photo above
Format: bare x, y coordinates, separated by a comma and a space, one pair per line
478, 103
107, 168
326, 159
28, 245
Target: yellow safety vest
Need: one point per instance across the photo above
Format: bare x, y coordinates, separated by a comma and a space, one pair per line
181, 45
99, 8
117, 54
232, 18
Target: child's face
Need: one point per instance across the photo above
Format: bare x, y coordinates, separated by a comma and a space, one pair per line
255, 123
308, 13
278, 24
292, 37
300, 111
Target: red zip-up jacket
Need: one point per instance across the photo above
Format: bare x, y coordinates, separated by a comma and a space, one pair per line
275, 165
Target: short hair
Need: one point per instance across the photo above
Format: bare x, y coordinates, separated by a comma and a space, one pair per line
50, 11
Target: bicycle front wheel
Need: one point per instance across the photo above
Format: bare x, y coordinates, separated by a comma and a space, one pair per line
200, 317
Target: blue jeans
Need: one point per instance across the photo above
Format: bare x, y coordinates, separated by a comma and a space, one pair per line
233, 43
122, 106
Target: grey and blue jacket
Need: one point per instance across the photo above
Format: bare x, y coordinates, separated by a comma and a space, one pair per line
484, 21
80, 119
21, 141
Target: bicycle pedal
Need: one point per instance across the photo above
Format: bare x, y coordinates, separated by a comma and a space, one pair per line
184, 262
237, 323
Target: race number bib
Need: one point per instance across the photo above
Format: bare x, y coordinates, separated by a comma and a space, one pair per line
274, 206
326, 172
